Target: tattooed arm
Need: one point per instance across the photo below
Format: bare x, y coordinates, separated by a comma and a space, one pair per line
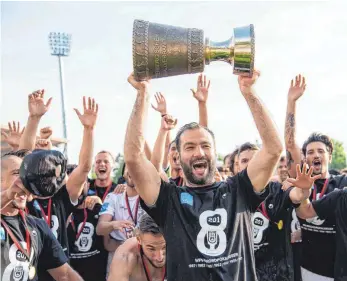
296, 90
261, 167
142, 171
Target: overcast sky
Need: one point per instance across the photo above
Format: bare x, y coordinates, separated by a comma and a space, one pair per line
291, 38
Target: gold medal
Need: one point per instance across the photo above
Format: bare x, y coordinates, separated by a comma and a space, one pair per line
32, 272
280, 224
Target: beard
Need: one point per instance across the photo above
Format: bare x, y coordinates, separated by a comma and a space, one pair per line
188, 171
151, 262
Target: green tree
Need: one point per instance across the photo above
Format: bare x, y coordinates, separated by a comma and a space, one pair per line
339, 156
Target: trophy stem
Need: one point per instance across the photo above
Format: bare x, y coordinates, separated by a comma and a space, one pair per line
219, 51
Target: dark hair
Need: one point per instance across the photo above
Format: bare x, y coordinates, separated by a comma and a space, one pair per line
70, 168
191, 126
232, 159
147, 225
318, 137
247, 146
107, 152
19, 153
226, 157
334, 172
283, 158
343, 171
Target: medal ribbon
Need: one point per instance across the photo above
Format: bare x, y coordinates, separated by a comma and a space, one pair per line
134, 218
83, 223
324, 189
148, 276
106, 192
49, 212
15, 240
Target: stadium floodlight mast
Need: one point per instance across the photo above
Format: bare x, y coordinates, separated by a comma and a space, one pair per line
60, 46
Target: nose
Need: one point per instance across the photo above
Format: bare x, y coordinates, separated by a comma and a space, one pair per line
199, 152
159, 255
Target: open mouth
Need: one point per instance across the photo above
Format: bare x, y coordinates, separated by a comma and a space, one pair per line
199, 167
317, 164
102, 171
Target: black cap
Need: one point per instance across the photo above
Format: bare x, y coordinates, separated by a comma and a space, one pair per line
43, 172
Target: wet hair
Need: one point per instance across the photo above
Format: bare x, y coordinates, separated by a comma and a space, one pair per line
318, 137
147, 225
247, 146
107, 152
232, 159
334, 172
19, 153
191, 126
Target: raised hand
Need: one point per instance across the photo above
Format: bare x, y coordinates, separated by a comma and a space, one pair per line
90, 202
201, 93
46, 133
37, 105
246, 83
44, 144
297, 87
304, 180
168, 122
138, 85
120, 225
90, 113
120, 188
12, 137
161, 103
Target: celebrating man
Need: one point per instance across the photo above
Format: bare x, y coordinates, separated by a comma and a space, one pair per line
207, 225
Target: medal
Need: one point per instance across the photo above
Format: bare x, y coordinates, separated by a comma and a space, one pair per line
133, 217
32, 272
280, 225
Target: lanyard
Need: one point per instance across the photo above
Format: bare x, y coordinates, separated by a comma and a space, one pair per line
15, 240
324, 189
264, 212
83, 223
148, 276
49, 212
106, 192
180, 181
134, 218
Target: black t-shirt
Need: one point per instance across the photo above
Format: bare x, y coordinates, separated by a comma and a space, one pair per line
46, 252
87, 254
318, 235
334, 205
177, 181
208, 230
271, 225
99, 191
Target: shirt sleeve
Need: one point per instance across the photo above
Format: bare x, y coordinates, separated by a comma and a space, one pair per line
161, 208
52, 254
245, 188
109, 205
64, 195
325, 207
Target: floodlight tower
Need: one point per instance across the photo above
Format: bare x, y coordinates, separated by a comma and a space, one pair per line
60, 46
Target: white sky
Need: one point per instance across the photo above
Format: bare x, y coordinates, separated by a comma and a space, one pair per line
291, 38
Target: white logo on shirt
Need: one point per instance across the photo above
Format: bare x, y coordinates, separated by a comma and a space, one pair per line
54, 225
18, 269
211, 239
260, 224
295, 228
85, 240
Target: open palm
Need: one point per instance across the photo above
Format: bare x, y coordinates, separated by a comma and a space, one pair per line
304, 180
37, 105
161, 103
90, 113
297, 87
201, 93
12, 137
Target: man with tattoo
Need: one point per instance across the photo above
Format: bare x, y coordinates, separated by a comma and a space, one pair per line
206, 224
318, 235
142, 258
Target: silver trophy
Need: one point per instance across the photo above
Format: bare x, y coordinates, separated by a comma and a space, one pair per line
161, 50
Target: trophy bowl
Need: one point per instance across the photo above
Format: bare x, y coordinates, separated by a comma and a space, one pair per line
161, 50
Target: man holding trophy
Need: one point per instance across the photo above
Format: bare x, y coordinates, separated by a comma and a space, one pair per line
207, 225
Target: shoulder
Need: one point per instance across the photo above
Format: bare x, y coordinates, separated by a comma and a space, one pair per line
38, 224
274, 187
128, 252
341, 181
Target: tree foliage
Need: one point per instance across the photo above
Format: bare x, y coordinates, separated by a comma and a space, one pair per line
339, 156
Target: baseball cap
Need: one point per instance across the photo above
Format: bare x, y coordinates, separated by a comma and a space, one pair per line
43, 172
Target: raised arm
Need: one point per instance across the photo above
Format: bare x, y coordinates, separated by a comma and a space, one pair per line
37, 108
167, 124
296, 90
201, 95
162, 109
79, 175
261, 167
143, 173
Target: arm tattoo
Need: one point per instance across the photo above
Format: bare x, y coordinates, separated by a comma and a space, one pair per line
290, 128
